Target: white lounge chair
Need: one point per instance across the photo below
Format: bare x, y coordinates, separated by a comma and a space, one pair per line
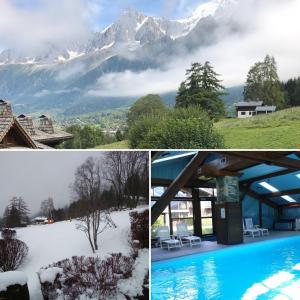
186, 237
166, 240
254, 232
249, 225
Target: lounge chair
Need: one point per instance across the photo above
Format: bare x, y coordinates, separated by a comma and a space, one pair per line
251, 231
186, 237
166, 240
249, 225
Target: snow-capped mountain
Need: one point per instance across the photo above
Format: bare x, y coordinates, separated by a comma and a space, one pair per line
61, 78
131, 31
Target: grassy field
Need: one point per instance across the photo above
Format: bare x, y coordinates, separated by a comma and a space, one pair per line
280, 130
274, 131
116, 145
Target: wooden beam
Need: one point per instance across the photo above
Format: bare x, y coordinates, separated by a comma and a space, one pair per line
290, 205
155, 155
265, 176
259, 197
283, 193
266, 158
192, 183
210, 171
179, 182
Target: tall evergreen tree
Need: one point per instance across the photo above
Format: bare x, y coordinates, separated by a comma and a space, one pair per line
292, 91
16, 213
202, 88
263, 83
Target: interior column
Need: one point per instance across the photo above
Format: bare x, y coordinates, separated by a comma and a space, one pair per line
228, 212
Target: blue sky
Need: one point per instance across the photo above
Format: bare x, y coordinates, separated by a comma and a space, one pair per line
104, 12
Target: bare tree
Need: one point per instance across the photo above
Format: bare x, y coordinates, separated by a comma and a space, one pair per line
47, 207
125, 172
87, 188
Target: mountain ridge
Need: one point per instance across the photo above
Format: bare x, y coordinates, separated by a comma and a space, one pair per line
61, 80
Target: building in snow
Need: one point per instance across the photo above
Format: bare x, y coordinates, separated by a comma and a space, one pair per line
24, 132
253, 108
39, 220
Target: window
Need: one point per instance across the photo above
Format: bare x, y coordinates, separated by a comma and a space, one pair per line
243, 113
163, 220
182, 212
206, 217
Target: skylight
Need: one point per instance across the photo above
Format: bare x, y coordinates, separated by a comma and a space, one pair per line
288, 198
269, 186
174, 157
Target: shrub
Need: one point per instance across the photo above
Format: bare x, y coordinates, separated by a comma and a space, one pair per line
181, 128
140, 227
8, 233
88, 277
12, 254
144, 106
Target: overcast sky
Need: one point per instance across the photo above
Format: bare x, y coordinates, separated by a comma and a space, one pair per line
35, 176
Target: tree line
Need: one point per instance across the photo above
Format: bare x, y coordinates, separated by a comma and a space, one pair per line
123, 183
199, 104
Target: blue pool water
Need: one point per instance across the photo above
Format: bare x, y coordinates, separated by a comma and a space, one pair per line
262, 270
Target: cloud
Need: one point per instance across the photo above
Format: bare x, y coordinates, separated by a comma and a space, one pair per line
133, 84
36, 28
270, 27
71, 71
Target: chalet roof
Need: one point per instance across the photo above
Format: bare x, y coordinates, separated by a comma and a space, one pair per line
40, 131
250, 103
57, 135
266, 108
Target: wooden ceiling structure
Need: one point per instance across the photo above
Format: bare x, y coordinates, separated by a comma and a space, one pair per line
201, 172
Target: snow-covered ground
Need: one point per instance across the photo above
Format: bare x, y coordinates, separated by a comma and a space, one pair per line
51, 243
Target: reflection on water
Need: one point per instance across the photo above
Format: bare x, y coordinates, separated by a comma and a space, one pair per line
260, 271
280, 286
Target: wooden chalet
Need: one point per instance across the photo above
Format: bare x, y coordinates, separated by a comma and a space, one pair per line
24, 132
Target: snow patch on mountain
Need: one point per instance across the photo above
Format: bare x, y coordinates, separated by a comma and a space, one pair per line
131, 31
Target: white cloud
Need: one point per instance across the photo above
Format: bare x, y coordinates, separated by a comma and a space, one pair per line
135, 84
71, 71
272, 27
55, 22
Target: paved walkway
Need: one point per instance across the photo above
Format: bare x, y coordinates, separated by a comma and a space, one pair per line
206, 246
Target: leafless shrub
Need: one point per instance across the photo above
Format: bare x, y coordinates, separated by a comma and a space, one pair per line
89, 276
12, 254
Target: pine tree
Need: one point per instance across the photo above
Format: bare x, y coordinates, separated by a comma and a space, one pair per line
182, 96
203, 88
16, 213
263, 84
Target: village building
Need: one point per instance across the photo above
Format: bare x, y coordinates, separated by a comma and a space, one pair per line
253, 108
24, 132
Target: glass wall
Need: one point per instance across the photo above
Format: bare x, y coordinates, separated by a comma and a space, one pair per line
181, 210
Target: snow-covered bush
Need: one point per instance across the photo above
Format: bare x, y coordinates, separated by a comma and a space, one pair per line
86, 277
12, 254
140, 227
13, 285
8, 233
